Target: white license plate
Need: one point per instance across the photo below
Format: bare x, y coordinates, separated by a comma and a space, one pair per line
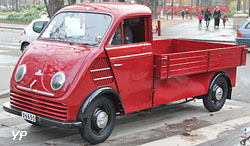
29, 116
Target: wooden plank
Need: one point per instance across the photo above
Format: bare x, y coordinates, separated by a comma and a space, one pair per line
224, 58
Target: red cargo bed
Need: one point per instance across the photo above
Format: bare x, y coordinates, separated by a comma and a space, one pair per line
174, 58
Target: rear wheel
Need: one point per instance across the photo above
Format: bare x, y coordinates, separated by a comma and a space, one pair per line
99, 120
217, 95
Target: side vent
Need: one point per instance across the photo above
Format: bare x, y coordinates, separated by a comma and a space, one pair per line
101, 72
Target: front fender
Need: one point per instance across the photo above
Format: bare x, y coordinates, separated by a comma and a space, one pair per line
96, 94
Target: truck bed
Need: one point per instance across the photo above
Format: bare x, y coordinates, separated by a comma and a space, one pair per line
174, 58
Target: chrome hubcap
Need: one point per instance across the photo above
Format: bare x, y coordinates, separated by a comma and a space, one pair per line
219, 93
102, 119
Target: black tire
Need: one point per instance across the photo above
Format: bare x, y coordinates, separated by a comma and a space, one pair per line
24, 46
217, 95
91, 131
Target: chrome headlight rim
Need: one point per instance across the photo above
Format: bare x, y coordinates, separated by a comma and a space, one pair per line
63, 81
24, 73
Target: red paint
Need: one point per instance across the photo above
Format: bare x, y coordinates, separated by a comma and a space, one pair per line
177, 69
159, 27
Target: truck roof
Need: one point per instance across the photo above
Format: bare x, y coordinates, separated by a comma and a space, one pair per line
117, 9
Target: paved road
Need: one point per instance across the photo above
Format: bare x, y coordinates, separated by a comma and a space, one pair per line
184, 125
9, 55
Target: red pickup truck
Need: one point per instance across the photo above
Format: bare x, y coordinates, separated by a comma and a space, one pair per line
97, 60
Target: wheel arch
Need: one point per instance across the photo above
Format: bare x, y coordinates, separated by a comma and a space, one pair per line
109, 92
226, 76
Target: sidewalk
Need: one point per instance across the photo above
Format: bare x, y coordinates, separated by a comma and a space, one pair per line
191, 30
15, 25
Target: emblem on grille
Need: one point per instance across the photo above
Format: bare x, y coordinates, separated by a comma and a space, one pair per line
39, 73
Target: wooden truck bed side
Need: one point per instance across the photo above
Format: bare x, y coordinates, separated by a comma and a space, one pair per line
196, 59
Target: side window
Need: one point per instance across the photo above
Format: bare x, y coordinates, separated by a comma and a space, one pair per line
38, 26
134, 30
248, 26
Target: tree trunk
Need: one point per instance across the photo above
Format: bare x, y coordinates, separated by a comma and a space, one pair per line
153, 7
191, 12
55, 5
249, 8
71, 2
238, 5
197, 3
16, 5
81, 1
13, 9
244, 5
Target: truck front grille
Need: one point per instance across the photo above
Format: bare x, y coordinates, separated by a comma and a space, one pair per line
39, 106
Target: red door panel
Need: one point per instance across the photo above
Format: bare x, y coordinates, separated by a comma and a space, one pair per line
133, 69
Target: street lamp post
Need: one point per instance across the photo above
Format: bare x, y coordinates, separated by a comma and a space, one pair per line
172, 10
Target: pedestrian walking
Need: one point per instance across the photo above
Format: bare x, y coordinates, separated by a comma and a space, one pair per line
207, 17
182, 14
187, 13
200, 17
217, 16
224, 19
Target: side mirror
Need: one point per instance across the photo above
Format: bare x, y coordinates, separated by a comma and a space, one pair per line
98, 39
38, 26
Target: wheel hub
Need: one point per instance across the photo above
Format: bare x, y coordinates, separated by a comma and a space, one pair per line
218, 93
102, 119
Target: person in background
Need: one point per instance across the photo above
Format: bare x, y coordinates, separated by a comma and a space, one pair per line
187, 13
200, 17
182, 14
217, 16
207, 17
224, 19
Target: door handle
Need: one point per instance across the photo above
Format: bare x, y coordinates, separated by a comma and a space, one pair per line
118, 65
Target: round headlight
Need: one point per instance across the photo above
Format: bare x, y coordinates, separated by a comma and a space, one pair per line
57, 81
20, 72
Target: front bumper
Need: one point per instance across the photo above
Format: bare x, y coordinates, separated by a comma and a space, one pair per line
44, 120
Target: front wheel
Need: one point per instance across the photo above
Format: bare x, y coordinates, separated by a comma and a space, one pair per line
99, 120
24, 46
217, 95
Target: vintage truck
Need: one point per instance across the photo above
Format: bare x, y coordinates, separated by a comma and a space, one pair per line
97, 60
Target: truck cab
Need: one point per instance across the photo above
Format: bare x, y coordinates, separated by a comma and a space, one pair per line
96, 60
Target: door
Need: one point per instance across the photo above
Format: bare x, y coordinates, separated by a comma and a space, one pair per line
131, 58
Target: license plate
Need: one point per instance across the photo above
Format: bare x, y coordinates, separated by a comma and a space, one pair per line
29, 116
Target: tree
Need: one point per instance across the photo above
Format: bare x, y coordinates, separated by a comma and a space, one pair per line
71, 2
16, 5
238, 5
53, 6
244, 5
197, 3
153, 7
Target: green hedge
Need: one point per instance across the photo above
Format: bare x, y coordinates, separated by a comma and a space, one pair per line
27, 13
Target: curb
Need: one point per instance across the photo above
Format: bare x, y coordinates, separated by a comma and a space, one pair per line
16, 28
4, 93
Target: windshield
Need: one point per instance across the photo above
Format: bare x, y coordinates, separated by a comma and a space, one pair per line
79, 28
